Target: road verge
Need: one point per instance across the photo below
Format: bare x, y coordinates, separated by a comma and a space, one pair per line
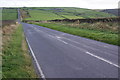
17, 62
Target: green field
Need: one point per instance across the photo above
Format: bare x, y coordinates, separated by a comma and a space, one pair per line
72, 17
42, 15
51, 13
9, 14
104, 32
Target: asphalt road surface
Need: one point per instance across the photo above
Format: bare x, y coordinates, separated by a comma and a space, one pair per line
62, 55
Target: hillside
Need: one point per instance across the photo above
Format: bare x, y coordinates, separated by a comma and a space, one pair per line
112, 11
51, 13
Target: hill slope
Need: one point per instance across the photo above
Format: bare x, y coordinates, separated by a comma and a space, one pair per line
111, 11
51, 13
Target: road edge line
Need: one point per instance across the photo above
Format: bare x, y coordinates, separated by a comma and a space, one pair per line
37, 64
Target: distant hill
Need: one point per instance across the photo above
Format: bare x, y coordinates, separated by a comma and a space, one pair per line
112, 11
51, 13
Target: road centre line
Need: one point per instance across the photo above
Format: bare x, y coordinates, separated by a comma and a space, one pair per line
100, 58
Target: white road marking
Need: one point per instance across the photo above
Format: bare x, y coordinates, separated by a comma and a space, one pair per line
58, 39
106, 46
37, 64
87, 46
84, 50
100, 58
62, 41
80, 43
63, 34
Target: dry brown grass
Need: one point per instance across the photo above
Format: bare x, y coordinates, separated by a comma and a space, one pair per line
7, 32
99, 26
24, 14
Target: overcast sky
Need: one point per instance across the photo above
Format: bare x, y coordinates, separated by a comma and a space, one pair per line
90, 4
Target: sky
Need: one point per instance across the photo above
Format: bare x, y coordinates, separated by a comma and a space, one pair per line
90, 4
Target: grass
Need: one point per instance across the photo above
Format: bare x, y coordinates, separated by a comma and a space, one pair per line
17, 62
0, 14
72, 17
9, 10
9, 14
51, 13
42, 15
109, 27
99, 34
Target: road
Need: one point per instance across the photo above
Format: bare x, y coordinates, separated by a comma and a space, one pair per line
62, 55
19, 16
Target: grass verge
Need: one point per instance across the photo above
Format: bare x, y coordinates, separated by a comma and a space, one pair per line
99, 35
17, 62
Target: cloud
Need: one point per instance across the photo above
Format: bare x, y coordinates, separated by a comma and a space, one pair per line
91, 4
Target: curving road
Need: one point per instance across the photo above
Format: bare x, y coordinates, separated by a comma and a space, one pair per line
62, 55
